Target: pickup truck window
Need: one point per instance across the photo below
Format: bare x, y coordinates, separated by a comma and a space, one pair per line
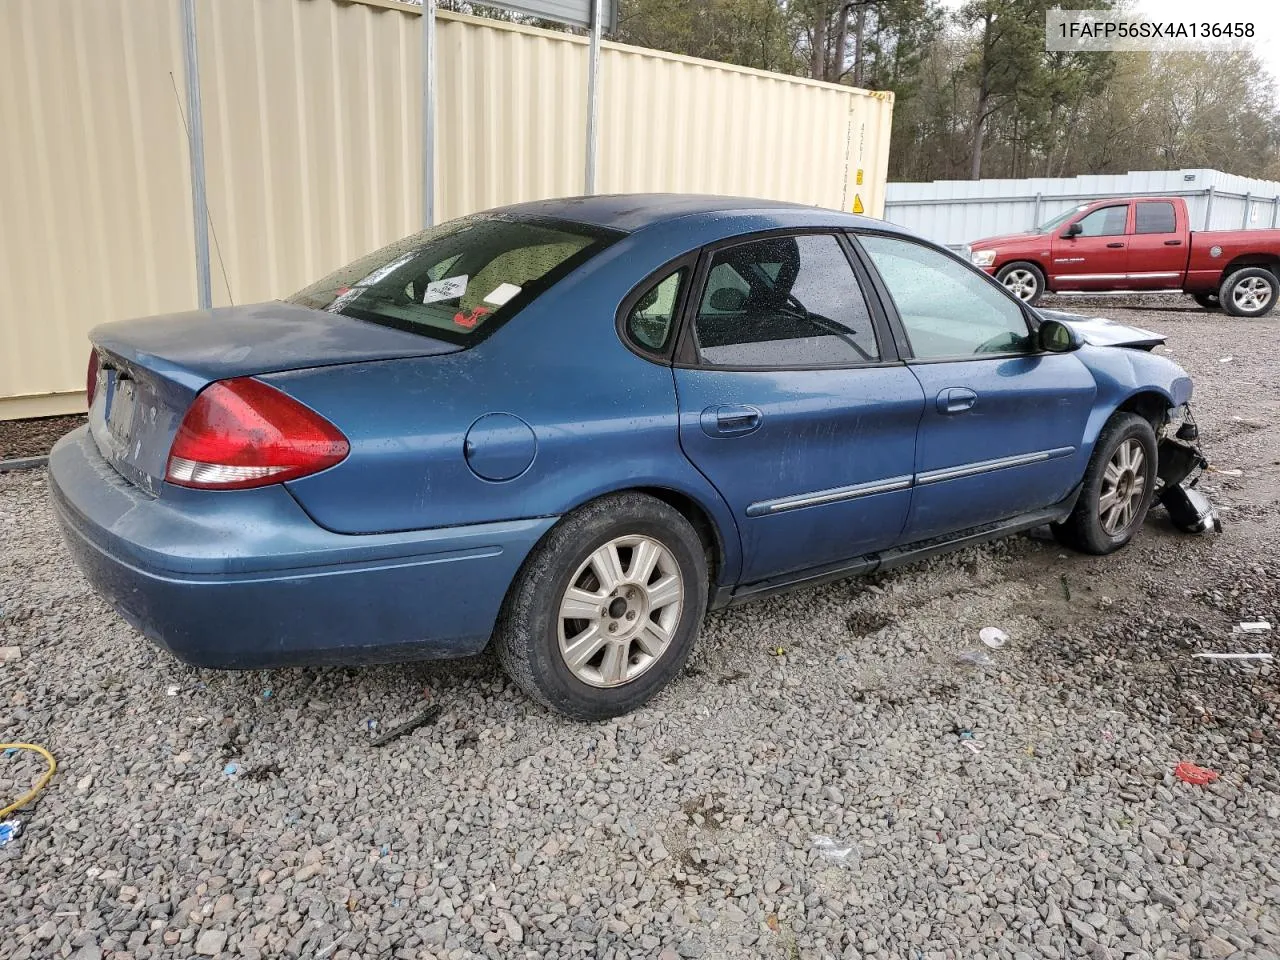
1156, 216
1105, 222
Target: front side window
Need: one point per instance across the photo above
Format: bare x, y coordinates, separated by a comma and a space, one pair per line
650, 321
459, 279
784, 302
948, 310
1105, 222
1155, 217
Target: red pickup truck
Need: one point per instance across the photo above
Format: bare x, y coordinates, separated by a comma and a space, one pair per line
1141, 244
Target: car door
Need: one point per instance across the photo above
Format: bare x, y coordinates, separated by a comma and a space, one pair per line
1157, 248
1002, 421
794, 404
1095, 258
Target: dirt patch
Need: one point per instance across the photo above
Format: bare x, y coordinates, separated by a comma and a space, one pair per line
34, 438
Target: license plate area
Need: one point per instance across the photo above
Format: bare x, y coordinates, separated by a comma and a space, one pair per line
121, 407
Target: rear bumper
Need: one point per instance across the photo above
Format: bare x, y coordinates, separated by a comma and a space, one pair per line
246, 580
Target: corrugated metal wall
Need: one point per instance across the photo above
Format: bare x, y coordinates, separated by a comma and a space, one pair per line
312, 133
95, 204
956, 212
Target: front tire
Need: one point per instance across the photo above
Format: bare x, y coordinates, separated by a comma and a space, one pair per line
605, 611
1249, 292
1024, 280
1119, 485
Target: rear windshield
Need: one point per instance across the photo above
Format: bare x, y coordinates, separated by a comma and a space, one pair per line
458, 281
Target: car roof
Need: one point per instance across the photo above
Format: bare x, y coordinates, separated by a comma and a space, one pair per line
630, 212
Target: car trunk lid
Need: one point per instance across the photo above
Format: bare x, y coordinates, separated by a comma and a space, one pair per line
151, 369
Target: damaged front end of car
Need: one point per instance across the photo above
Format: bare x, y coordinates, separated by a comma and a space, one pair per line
1181, 464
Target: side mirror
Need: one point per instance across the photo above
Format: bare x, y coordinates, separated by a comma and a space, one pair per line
1056, 337
1074, 230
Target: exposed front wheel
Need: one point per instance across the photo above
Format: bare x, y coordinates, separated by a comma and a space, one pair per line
605, 611
1118, 488
1249, 292
1024, 280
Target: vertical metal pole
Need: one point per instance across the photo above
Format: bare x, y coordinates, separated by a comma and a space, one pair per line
593, 96
1275, 210
195, 150
1035, 212
428, 112
1208, 209
1244, 217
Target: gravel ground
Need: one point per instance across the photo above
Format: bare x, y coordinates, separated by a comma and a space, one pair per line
33, 438
249, 814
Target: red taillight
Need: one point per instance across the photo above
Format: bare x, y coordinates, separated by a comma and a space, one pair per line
91, 377
243, 433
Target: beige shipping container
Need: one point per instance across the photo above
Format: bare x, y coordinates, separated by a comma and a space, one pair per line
312, 118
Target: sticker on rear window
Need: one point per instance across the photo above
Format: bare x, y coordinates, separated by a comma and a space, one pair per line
501, 294
450, 288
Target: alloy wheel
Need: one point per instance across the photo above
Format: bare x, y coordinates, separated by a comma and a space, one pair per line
1251, 294
620, 611
1123, 484
1021, 283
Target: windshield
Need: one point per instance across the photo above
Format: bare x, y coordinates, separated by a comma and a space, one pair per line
458, 281
1060, 219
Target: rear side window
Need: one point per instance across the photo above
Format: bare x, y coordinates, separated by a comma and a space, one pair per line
650, 321
460, 280
784, 301
1105, 222
1155, 217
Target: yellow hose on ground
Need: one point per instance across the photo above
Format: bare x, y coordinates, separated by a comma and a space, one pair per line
40, 784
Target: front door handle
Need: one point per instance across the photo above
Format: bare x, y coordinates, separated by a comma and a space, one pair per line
956, 400
730, 420
1173, 243
1114, 246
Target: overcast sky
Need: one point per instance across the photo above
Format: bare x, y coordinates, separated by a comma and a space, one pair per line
1264, 14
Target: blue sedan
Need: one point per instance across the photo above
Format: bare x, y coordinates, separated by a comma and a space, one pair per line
569, 428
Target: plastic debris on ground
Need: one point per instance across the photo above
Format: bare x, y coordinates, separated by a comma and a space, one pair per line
844, 855
993, 637
9, 830
231, 769
1226, 473
1196, 776
1225, 359
1251, 626
422, 719
173, 689
975, 658
10, 653
266, 694
1261, 657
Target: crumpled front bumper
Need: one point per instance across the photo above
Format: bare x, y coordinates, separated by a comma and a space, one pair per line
1181, 464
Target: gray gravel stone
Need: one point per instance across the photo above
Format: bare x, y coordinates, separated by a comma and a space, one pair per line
685, 829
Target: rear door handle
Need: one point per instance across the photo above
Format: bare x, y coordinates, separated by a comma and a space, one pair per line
1173, 243
730, 420
956, 400
1114, 246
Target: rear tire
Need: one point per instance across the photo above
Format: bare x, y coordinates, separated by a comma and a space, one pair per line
1119, 485
1024, 280
1249, 292
636, 571
1209, 301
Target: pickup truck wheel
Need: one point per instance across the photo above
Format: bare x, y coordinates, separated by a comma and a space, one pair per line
1119, 485
605, 610
1024, 280
1249, 292
1209, 301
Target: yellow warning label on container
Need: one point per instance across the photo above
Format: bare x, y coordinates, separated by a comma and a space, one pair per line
859, 178
857, 204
